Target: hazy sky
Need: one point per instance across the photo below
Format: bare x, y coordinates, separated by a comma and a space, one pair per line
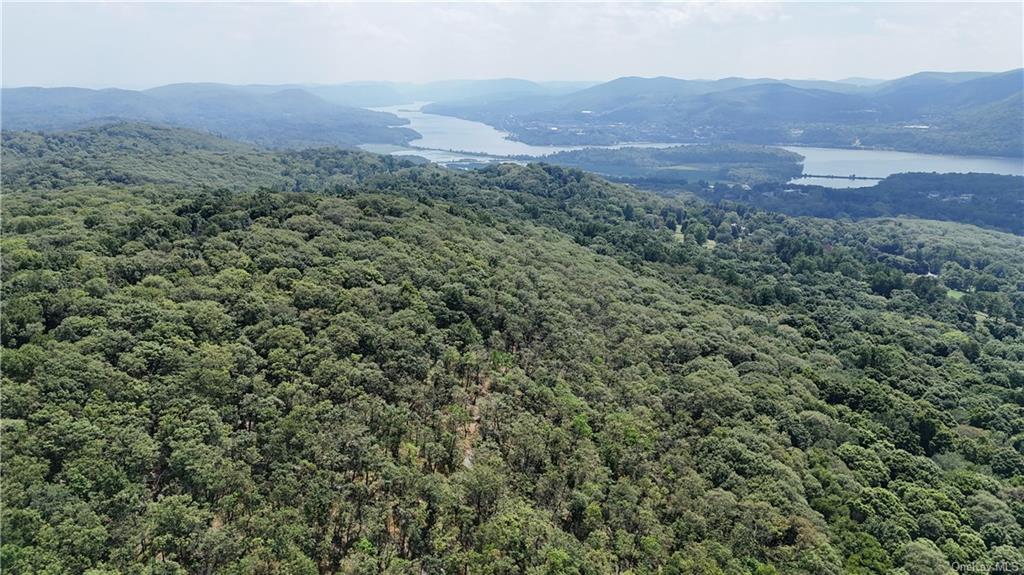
147, 44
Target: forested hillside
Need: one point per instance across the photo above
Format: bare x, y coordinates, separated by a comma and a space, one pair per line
134, 154
333, 362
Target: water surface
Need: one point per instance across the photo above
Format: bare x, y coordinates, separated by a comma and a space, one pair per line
882, 163
455, 134
459, 139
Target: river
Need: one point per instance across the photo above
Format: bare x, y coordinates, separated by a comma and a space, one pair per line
447, 134
446, 139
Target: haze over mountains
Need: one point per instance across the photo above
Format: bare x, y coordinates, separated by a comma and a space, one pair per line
372, 94
967, 112
963, 112
282, 116
288, 117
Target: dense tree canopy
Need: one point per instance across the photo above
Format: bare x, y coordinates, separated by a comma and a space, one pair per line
350, 364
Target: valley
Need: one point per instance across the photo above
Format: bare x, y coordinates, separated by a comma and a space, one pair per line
445, 139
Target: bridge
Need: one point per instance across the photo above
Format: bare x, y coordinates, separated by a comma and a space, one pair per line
834, 177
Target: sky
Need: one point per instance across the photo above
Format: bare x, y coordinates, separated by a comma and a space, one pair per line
139, 45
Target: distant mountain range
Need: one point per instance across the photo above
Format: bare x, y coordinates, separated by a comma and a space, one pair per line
279, 116
962, 112
377, 94
268, 116
938, 112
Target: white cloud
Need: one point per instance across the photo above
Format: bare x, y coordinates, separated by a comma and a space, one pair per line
149, 44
